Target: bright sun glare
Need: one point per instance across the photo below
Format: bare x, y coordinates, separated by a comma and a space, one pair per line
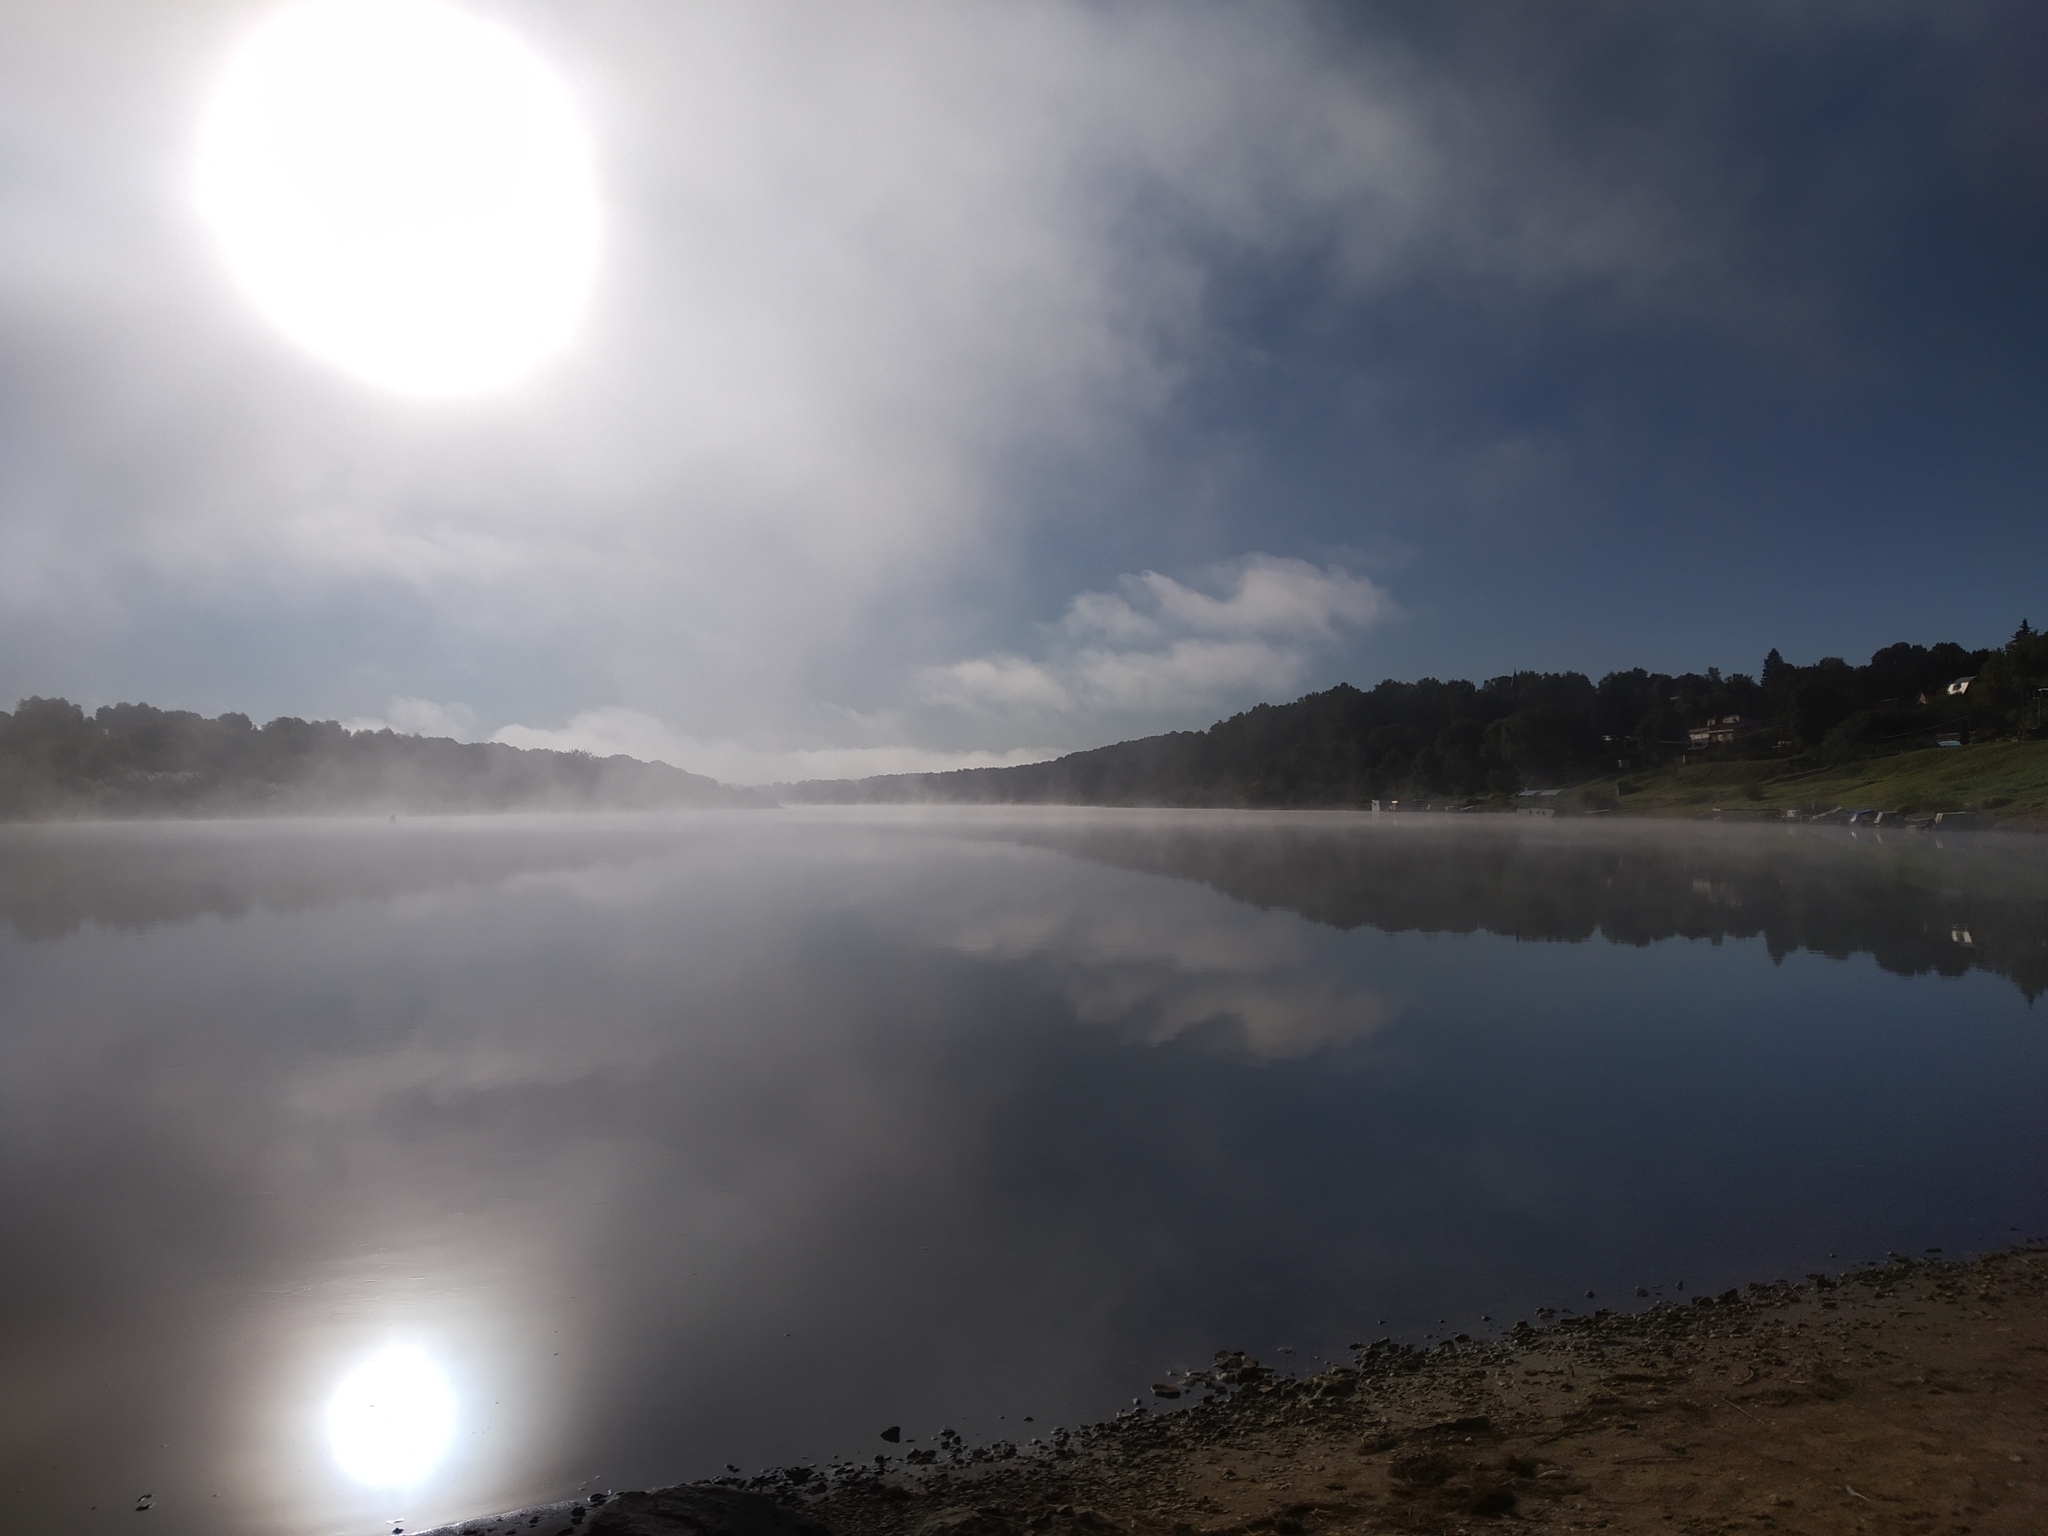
390, 1420
405, 190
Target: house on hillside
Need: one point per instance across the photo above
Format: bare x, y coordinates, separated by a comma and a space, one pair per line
1719, 731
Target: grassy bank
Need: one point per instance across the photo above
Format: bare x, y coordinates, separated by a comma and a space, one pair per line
2003, 783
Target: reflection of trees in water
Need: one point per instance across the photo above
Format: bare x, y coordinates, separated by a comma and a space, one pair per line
1915, 906
55, 880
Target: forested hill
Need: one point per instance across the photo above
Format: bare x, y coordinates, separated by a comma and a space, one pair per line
1466, 741
133, 759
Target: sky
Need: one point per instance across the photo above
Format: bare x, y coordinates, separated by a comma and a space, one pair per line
962, 383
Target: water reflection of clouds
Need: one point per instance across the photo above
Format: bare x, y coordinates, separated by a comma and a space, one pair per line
1163, 960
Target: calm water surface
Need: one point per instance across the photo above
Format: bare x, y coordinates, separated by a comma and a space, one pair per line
685, 1141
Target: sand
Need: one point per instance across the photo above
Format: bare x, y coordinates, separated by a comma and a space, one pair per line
1911, 1397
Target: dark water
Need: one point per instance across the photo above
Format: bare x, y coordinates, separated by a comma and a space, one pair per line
736, 1137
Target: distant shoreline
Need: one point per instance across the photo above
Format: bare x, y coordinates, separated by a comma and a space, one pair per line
2001, 785
1566, 805
133, 760
1636, 743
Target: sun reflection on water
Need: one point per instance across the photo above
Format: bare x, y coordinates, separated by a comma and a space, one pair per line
390, 1421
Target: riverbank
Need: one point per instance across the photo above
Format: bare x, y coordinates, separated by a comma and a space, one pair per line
1994, 785
1911, 1397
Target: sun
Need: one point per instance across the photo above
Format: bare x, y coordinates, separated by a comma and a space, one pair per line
405, 190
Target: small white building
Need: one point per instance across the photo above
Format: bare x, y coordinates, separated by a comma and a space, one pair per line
1716, 732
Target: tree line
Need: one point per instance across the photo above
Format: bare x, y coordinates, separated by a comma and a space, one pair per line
135, 759
1461, 740
1427, 739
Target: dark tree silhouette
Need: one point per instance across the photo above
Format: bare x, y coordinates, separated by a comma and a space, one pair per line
134, 759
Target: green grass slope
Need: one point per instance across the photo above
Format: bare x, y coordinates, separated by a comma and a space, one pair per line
2005, 783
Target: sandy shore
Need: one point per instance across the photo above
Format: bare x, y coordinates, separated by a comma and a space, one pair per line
1907, 1398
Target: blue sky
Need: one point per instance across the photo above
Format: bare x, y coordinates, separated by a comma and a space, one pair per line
963, 383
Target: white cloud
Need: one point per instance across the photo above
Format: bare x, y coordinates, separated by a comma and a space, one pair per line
419, 717
615, 729
1187, 673
1105, 615
1160, 645
994, 682
606, 732
1272, 597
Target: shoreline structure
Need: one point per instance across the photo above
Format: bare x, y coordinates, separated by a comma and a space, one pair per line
1910, 1396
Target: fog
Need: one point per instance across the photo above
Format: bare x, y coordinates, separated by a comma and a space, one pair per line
924, 413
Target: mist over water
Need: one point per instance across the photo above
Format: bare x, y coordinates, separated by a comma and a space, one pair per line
685, 1140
